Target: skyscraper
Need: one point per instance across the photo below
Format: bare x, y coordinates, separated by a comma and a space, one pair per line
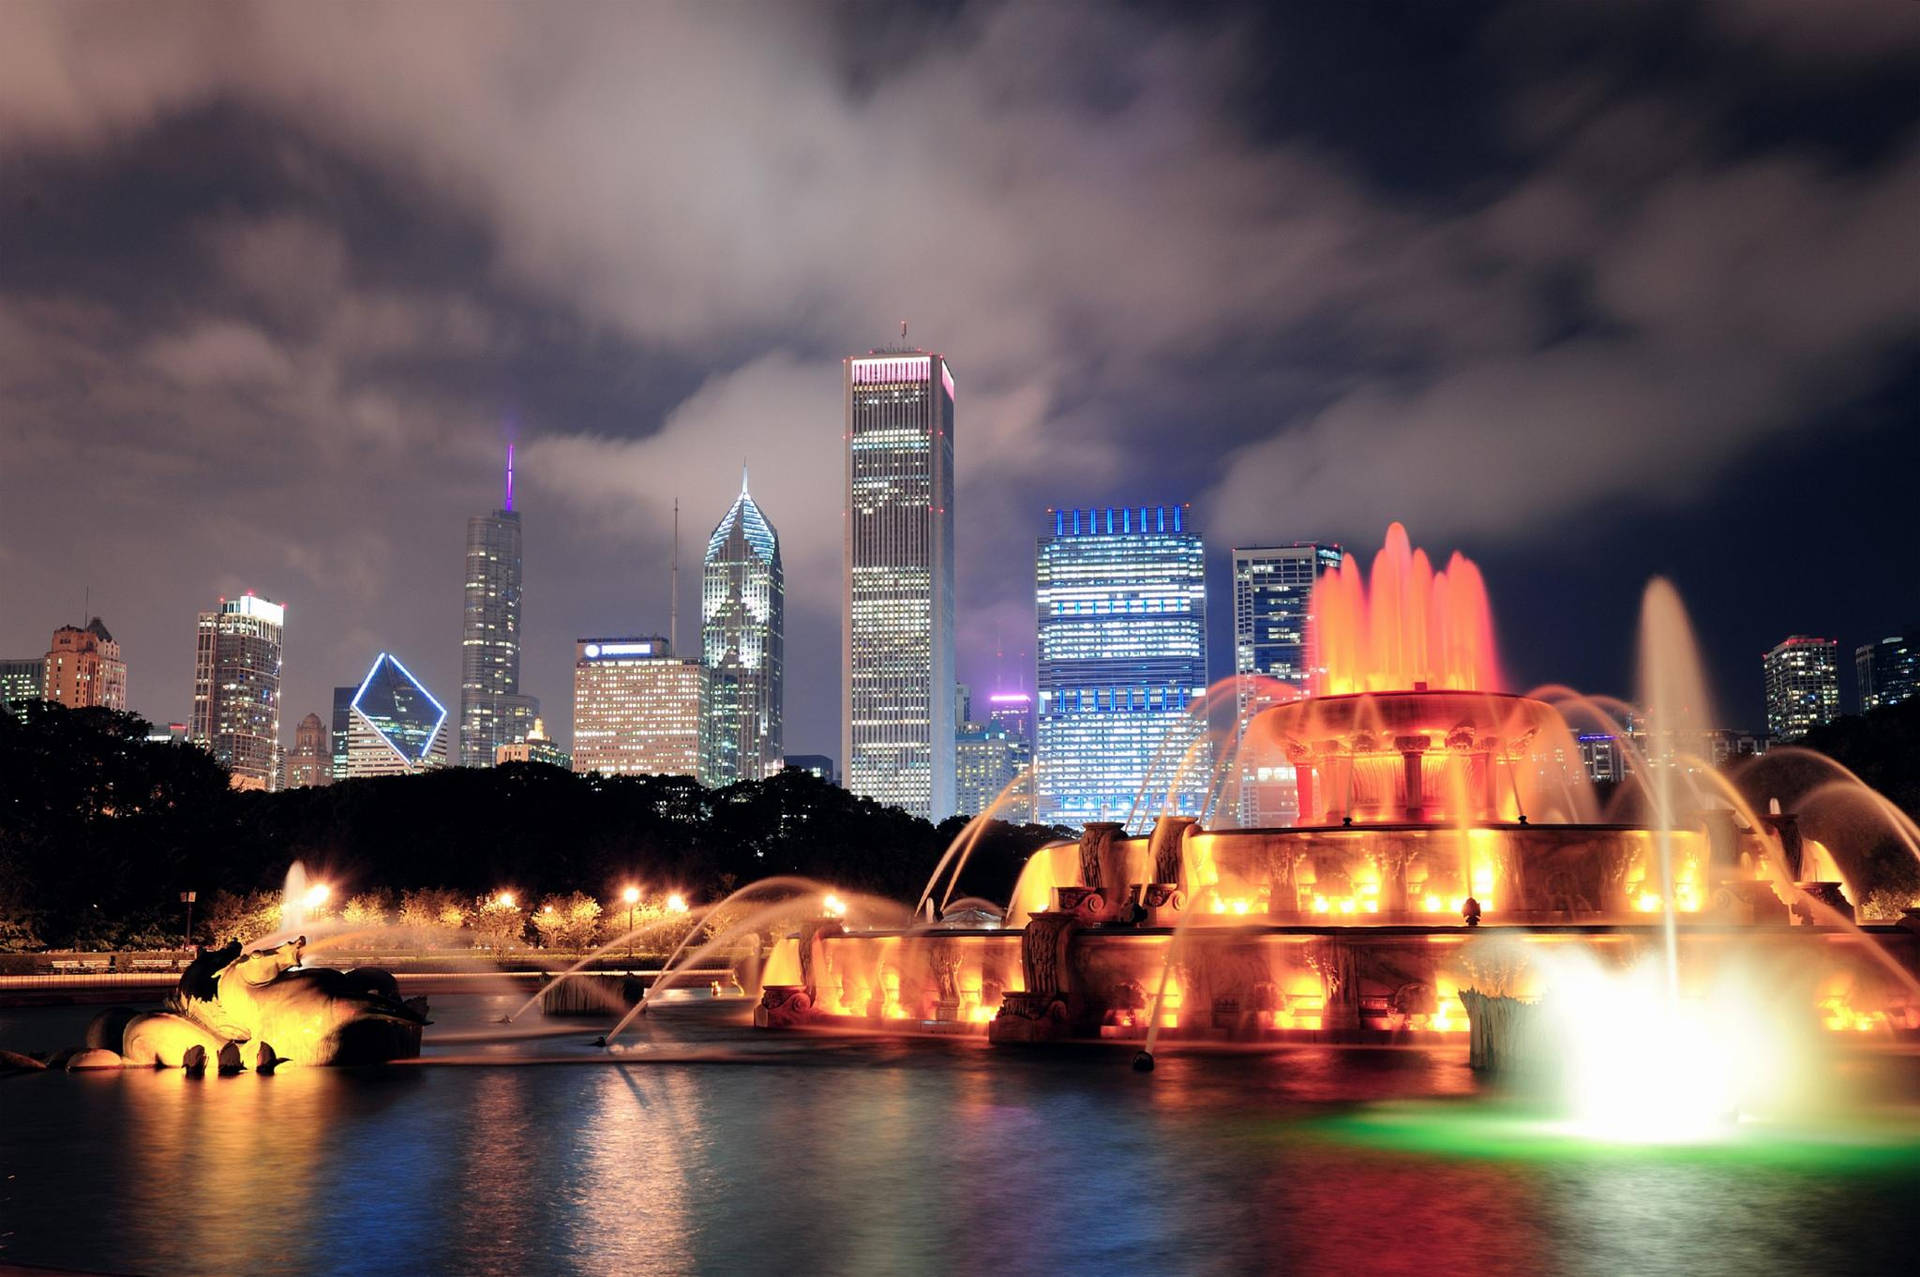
83, 667
987, 760
492, 711
236, 688
636, 708
1272, 587
342, 728
1122, 611
396, 726
310, 761
21, 681
1803, 685
742, 628
896, 734
1888, 671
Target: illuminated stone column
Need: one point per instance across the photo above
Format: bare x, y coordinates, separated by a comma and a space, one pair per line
1412, 750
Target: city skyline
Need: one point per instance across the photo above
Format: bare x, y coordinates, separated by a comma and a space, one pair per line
322, 354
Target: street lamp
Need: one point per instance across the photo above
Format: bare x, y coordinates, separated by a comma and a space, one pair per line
632, 896
187, 898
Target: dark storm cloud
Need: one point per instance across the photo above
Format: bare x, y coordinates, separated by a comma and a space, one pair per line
280, 280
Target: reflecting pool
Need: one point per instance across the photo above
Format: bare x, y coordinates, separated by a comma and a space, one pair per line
711, 1148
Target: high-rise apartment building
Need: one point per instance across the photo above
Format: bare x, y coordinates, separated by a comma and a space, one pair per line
395, 725
310, 761
236, 688
636, 708
492, 710
1122, 612
897, 666
22, 680
1272, 591
83, 668
1888, 671
742, 641
1803, 685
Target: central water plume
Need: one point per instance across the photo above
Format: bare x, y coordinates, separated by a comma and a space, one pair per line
1406, 627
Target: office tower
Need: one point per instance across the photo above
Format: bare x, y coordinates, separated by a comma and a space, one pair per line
537, 747
989, 759
896, 735
236, 687
814, 765
492, 711
1012, 712
742, 627
1272, 590
342, 728
636, 708
1803, 685
83, 668
396, 726
1602, 758
22, 680
1889, 670
1122, 610
310, 761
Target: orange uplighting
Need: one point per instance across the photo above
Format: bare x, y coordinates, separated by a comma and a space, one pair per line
1404, 626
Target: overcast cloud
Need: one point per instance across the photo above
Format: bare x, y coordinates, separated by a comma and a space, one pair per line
278, 282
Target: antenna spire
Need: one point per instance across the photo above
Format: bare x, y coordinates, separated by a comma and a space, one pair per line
673, 605
509, 505
743, 476
903, 332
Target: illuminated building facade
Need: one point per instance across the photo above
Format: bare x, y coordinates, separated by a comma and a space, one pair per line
897, 666
636, 708
1803, 685
742, 628
537, 747
236, 688
310, 761
1888, 671
1122, 612
21, 681
492, 711
83, 668
987, 760
1012, 713
342, 728
1272, 591
395, 725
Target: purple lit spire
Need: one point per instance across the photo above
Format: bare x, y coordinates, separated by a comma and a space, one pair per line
509, 477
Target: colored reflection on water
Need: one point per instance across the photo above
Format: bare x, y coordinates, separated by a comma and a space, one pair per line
710, 1148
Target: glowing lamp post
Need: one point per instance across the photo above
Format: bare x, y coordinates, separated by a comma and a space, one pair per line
632, 896
187, 898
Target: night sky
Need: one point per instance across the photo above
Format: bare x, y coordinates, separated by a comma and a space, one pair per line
1589, 291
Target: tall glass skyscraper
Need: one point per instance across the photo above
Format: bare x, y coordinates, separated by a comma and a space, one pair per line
1888, 671
236, 688
897, 732
396, 726
1122, 612
1272, 588
492, 711
742, 626
1803, 685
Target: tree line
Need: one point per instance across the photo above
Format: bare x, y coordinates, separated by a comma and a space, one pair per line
102, 829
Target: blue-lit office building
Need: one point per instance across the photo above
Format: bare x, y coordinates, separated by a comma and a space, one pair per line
1122, 615
395, 725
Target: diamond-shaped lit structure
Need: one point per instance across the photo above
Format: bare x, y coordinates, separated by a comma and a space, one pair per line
396, 726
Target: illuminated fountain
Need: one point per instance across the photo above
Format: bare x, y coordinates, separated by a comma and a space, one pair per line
1448, 847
